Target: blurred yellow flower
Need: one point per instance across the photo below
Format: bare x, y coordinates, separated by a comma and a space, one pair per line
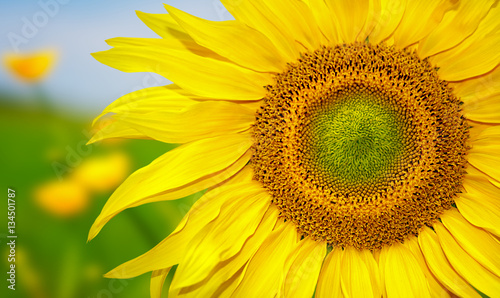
103, 173
29, 274
30, 68
62, 198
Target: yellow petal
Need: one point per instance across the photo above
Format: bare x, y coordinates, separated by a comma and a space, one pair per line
172, 249
373, 18
476, 55
116, 129
480, 203
477, 182
403, 275
354, 275
484, 152
480, 214
329, 277
185, 170
455, 26
227, 289
478, 243
494, 182
419, 19
296, 19
258, 16
171, 32
325, 20
380, 258
168, 98
374, 271
234, 40
486, 109
213, 78
435, 287
489, 132
303, 274
481, 97
264, 275
477, 275
164, 25
138, 44
391, 13
473, 90
476, 128
238, 219
440, 267
244, 175
157, 281
202, 120
225, 275
350, 16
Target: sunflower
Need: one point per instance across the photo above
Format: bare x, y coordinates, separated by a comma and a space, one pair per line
349, 148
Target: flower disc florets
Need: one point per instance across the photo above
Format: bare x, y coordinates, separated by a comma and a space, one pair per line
360, 145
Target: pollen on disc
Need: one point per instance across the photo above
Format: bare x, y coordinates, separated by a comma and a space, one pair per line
360, 145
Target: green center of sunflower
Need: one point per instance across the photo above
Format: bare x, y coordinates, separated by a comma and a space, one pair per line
360, 145
357, 139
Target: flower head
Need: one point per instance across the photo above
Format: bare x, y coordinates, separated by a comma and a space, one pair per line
350, 148
102, 173
65, 198
30, 68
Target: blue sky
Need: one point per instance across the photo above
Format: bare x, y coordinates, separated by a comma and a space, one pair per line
76, 28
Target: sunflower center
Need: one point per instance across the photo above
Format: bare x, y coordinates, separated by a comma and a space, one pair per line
360, 145
356, 139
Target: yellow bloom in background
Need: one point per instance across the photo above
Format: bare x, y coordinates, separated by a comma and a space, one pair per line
350, 148
65, 198
71, 195
30, 68
29, 274
102, 173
